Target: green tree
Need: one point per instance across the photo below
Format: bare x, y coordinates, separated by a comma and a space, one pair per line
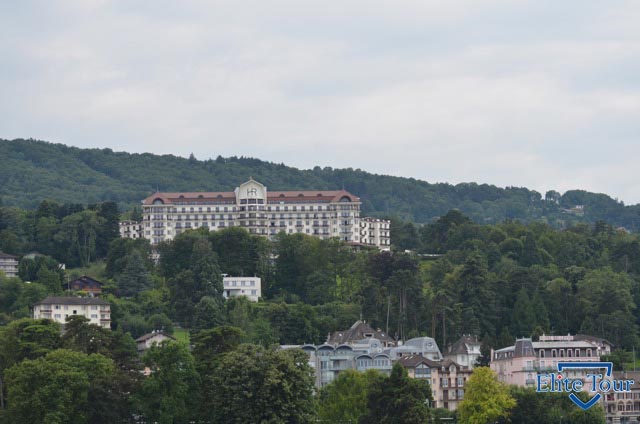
398, 399
35, 395
486, 400
255, 384
344, 400
135, 277
169, 394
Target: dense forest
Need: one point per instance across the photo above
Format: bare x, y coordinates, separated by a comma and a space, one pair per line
497, 281
32, 171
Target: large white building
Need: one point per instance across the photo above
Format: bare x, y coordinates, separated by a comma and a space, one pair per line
96, 310
251, 287
319, 213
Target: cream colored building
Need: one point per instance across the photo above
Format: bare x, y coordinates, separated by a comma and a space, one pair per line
318, 213
130, 229
9, 265
96, 310
251, 287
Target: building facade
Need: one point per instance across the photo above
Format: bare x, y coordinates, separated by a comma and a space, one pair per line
251, 287
623, 408
156, 337
446, 378
465, 351
58, 309
86, 284
130, 229
9, 264
318, 213
520, 364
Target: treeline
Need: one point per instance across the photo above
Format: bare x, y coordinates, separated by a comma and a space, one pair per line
33, 171
73, 234
497, 281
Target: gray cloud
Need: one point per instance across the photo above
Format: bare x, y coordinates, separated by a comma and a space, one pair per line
536, 93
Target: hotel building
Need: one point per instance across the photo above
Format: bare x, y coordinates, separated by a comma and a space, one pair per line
318, 213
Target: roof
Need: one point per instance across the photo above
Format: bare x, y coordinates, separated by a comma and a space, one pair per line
357, 333
227, 197
148, 336
68, 300
86, 279
411, 361
7, 256
461, 346
572, 344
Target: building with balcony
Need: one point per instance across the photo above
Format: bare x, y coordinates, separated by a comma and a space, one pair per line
623, 407
319, 213
130, 229
520, 364
251, 287
447, 378
9, 264
58, 309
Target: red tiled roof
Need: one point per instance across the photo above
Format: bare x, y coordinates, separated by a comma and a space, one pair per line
322, 195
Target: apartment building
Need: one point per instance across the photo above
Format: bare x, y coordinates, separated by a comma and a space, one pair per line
319, 213
130, 229
251, 287
520, 364
58, 309
9, 264
447, 378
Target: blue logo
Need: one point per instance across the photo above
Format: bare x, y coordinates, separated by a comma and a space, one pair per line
595, 383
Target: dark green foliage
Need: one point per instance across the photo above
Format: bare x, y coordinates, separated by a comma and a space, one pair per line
135, 277
398, 399
254, 384
73, 175
534, 408
169, 394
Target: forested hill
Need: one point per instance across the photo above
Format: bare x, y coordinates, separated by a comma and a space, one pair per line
31, 171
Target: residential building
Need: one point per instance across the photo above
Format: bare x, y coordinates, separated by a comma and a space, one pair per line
149, 339
130, 229
86, 284
319, 213
375, 232
465, 351
251, 287
58, 309
359, 331
520, 364
9, 264
446, 377
623, 407
329, 361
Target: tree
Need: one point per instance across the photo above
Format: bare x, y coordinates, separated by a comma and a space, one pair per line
255, 384
486, 399
35, 395
135, 278
169, 394
344, 400
398, 399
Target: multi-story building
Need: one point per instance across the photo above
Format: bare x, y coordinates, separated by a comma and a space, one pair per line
9, 265
318, 213
250, 287
446, 377
465, 351
58, 309
130, 229
328, 361
623, 407
520, 364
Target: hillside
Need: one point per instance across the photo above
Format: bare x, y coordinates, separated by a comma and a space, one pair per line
31, 171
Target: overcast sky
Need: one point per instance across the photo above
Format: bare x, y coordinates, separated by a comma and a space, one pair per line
542, 94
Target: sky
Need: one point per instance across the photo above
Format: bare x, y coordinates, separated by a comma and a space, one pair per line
540, 94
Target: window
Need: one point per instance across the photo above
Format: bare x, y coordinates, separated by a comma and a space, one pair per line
94, 316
